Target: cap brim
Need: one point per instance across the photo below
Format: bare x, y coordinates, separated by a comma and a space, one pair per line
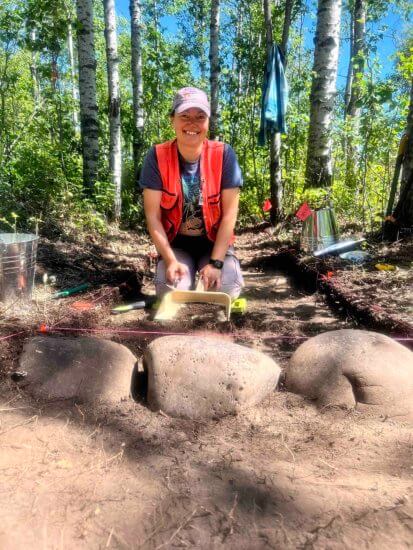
193, 105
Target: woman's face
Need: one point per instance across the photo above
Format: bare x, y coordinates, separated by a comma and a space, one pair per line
191, 126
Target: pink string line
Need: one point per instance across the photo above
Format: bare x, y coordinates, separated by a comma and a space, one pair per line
12, 335
44, 329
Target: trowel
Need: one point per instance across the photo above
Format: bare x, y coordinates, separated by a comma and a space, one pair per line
173, 301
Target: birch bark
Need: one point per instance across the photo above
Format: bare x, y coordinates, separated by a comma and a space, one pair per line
349, 80
237, 76
358, 52
215, 69
323, 92
33, 70
198, 11
115, 154
75, 91
158, 67
354, 91
137, 82
87, 93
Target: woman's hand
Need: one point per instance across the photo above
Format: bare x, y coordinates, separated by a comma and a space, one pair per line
211, 277
175, 271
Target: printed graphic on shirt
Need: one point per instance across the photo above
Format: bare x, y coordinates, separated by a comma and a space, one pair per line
192, 220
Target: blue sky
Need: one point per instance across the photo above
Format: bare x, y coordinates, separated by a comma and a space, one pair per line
386, 46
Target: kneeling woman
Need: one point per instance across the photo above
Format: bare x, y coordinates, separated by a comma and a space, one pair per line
191, 193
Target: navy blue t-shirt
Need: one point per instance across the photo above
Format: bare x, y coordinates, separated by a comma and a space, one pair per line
192, 220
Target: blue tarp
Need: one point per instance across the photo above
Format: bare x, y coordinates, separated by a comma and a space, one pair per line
274, 97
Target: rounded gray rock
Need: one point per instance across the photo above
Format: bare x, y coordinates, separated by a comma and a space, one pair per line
85, 369
205, 377
354, 368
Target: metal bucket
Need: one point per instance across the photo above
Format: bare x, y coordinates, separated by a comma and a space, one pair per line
319, 230
17, 266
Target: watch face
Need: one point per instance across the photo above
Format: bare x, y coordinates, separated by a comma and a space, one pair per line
217, 263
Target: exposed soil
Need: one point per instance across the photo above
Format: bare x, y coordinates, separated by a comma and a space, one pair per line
280, 475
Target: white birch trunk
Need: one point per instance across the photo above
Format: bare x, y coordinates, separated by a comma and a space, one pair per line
137, 81
115, 153
349, 80
75, 91
354, 91
158, 68
323, 92
199, 12
89, 122
358, 56
33, 70
215, 69
235, 100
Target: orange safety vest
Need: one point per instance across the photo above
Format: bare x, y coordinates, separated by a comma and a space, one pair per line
172, 196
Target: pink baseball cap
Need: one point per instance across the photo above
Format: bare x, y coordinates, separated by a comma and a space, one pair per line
188, 98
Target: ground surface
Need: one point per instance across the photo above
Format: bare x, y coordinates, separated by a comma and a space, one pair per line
281, 475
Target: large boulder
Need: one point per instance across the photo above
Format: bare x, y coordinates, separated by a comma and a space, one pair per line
354, 368
205, 377
85, 369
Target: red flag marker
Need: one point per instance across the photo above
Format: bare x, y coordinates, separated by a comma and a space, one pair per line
303, 212
327, 276
267, 205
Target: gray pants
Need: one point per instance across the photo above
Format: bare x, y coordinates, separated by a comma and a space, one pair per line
231, 277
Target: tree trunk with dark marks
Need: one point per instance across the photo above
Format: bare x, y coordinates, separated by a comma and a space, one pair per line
137, 82
115, 153
323, 92
75, 91
215, 69
354, 89
89, 122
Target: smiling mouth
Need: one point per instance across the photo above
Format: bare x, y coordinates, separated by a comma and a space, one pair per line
191, 133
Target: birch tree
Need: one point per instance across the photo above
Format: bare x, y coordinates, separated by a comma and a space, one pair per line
33, 69
197, 32
73, 83
89, 123
155, 16
357, 58
237, 74
137, 81
115, 154
323, 92
354, 87
215, 69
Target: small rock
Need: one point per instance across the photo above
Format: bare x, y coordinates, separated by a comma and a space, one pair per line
205, 377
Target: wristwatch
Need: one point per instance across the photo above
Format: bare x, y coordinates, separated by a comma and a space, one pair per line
216, 263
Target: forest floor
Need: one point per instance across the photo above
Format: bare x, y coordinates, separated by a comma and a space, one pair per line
279, 475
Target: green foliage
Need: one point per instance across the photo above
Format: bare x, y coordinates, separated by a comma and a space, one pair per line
40, 150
